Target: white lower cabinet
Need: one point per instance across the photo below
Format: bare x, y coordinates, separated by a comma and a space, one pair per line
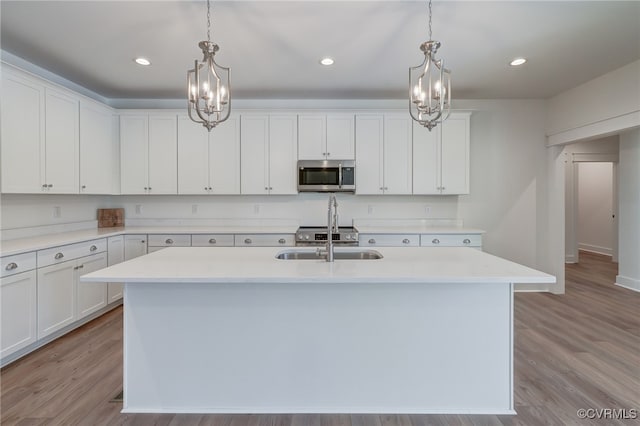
389, 240
212, 240
91, 296
115, 255
134, 246
56, 297
17, 312
264, 240
451, 240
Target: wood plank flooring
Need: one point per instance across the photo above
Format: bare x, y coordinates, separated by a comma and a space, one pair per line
576, 351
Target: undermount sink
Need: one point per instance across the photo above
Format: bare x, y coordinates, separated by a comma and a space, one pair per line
337, 255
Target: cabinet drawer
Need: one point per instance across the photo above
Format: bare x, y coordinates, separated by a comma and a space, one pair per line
212, 240
71, 251
170, 240
264, 240
12, 265
451, 240
389, 240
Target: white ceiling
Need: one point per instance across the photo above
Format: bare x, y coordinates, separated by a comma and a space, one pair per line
273, 48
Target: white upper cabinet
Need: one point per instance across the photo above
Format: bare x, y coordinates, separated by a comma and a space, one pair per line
149, 154
326, 136
383, 164
40, 137
208, 162
268, 154
441, 157
98, 149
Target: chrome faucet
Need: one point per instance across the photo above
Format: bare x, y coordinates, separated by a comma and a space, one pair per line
332, 226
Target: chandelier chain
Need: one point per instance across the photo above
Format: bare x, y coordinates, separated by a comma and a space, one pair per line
208, 21
430, 38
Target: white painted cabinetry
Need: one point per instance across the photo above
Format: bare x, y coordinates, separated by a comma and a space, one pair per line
39, 151
159, 241
264, 240
99, 149
149, 154
389, 240
134, 246
326, 136
18, 303
91, 296
268, 154
212, 240
384, 160
441, 157
115, 255
56, 297
208, 162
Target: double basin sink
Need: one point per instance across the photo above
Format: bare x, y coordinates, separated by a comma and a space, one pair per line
301, 254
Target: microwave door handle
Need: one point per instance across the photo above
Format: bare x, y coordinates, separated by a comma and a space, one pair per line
339, 175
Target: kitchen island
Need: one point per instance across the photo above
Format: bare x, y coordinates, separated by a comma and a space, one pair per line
235, 330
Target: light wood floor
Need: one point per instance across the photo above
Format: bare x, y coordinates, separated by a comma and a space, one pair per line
578, 350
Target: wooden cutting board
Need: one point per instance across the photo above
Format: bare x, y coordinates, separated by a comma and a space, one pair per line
109, 218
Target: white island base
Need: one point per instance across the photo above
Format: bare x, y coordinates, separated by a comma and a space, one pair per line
318, 347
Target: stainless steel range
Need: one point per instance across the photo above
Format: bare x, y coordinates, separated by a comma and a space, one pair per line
317, 236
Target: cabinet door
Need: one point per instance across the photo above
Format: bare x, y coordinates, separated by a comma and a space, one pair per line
340, 137
224, 157
312, 137
163, 155
254, 154
134, 246
115, 255
18, 312
283, 154
97, 149
397, 154
62, 141
193, 157
426, 160
134, 137
22, 133
56, 297
455, 155
369, 162
90, 296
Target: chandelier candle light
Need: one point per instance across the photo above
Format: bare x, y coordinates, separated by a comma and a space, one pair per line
430, 86
208, 85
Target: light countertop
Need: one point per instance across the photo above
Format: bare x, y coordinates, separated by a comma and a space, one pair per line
416, 229
259, 265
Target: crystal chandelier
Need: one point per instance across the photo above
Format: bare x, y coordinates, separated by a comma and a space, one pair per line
430, 86
208, 85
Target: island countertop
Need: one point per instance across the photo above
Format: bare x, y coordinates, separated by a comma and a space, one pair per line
259, 264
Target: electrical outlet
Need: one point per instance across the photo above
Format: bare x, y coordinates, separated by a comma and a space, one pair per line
57, 211
138, 208
370, 210
427, 210
194, 209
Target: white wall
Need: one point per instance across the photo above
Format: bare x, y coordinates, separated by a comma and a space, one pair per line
595, 207
629, 210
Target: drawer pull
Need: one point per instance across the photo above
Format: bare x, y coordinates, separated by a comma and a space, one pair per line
406, 241
58, 256
467, 241
93, 248
282, 241
212, 241
435, 241
247, 240
168, 241
11, 266
372, 241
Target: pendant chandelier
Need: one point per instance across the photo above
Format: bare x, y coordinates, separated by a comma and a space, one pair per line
208, 85
430, 86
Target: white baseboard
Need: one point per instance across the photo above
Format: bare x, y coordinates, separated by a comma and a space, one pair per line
626, 282
569, 258
595, 249
533, 288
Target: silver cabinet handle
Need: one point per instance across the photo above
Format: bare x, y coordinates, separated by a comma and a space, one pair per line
93, 248
406, 241
84, 186
282, 241
466, 241
44, 185
247, 240
11, 266
145, 188
81, 266
168, 241
328, 154
435, 241
212, 241
50, 185
58, 256
206, 189
210, 188
149, 188
142, 241
372, 241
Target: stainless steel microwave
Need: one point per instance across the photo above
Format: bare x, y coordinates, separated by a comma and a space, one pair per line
326, 176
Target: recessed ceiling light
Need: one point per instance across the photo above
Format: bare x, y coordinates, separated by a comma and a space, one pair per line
326, 61
142, 61
517, 61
